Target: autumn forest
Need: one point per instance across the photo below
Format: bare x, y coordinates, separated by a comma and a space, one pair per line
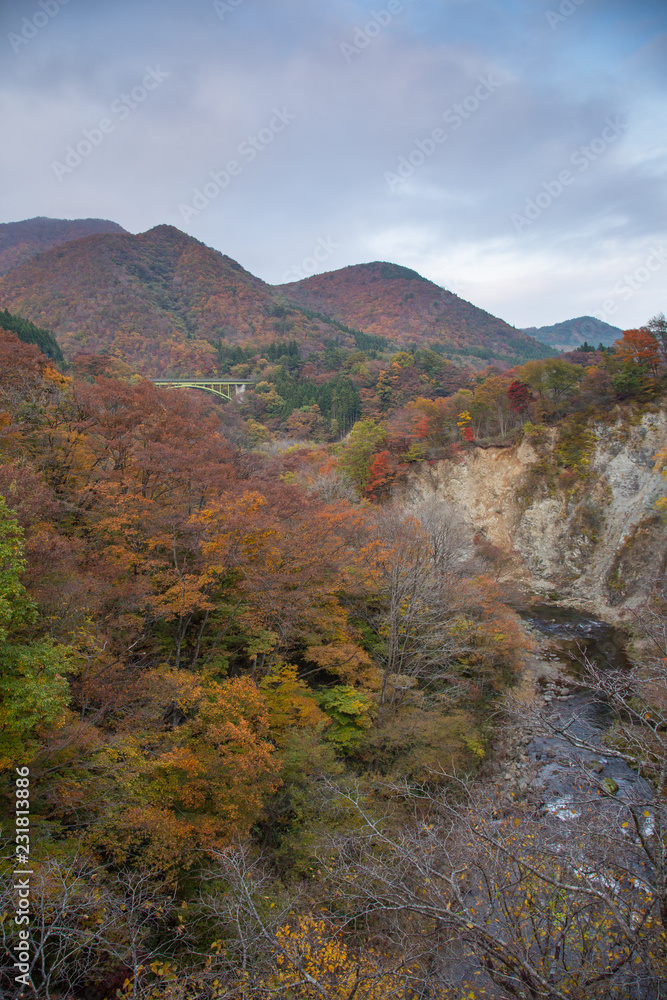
260, 698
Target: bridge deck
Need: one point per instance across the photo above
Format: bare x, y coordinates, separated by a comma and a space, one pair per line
218, 386
201, 381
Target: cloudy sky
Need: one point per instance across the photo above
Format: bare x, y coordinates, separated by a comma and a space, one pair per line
513, 151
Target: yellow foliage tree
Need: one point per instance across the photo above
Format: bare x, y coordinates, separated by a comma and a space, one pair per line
290, 702
313, 960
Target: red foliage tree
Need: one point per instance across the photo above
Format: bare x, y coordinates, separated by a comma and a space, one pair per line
519, 396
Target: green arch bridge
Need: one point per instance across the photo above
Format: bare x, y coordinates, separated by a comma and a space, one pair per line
221, 387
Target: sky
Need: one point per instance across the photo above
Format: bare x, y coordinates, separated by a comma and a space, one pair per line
512, 151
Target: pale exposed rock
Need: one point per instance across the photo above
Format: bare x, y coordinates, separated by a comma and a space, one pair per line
597, 551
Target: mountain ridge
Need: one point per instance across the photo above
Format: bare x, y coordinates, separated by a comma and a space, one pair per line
165, 303
19, 241
434, 315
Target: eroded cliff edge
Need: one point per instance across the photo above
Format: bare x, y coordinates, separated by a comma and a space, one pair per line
571, 510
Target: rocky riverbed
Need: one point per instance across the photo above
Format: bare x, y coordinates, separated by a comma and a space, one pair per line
533, 762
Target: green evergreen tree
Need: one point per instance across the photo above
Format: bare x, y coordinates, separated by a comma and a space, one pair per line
31, 334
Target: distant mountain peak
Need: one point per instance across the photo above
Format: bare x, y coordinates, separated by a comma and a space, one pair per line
164, 230
573, 332
376, 270
59, 223
19, 241
389, 272
397, 303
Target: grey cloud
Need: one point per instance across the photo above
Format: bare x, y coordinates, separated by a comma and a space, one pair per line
325, 174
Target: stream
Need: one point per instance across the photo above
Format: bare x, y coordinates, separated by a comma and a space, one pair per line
562, 783
559, 768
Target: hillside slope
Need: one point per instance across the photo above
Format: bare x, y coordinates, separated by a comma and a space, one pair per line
160, 300
19, 241
397, 303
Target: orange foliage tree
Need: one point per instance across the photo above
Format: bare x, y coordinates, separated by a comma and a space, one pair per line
639, 347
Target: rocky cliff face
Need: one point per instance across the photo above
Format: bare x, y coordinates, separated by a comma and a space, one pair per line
570, 511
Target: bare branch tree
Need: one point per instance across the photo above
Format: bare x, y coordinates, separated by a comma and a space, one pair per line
85, 923
508, 899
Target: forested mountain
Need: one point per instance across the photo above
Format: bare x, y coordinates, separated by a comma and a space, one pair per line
161, 301
572, 333
167, 304
20, 241
399, 304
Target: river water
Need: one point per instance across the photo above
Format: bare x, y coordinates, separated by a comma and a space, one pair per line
564, 775
562, 783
